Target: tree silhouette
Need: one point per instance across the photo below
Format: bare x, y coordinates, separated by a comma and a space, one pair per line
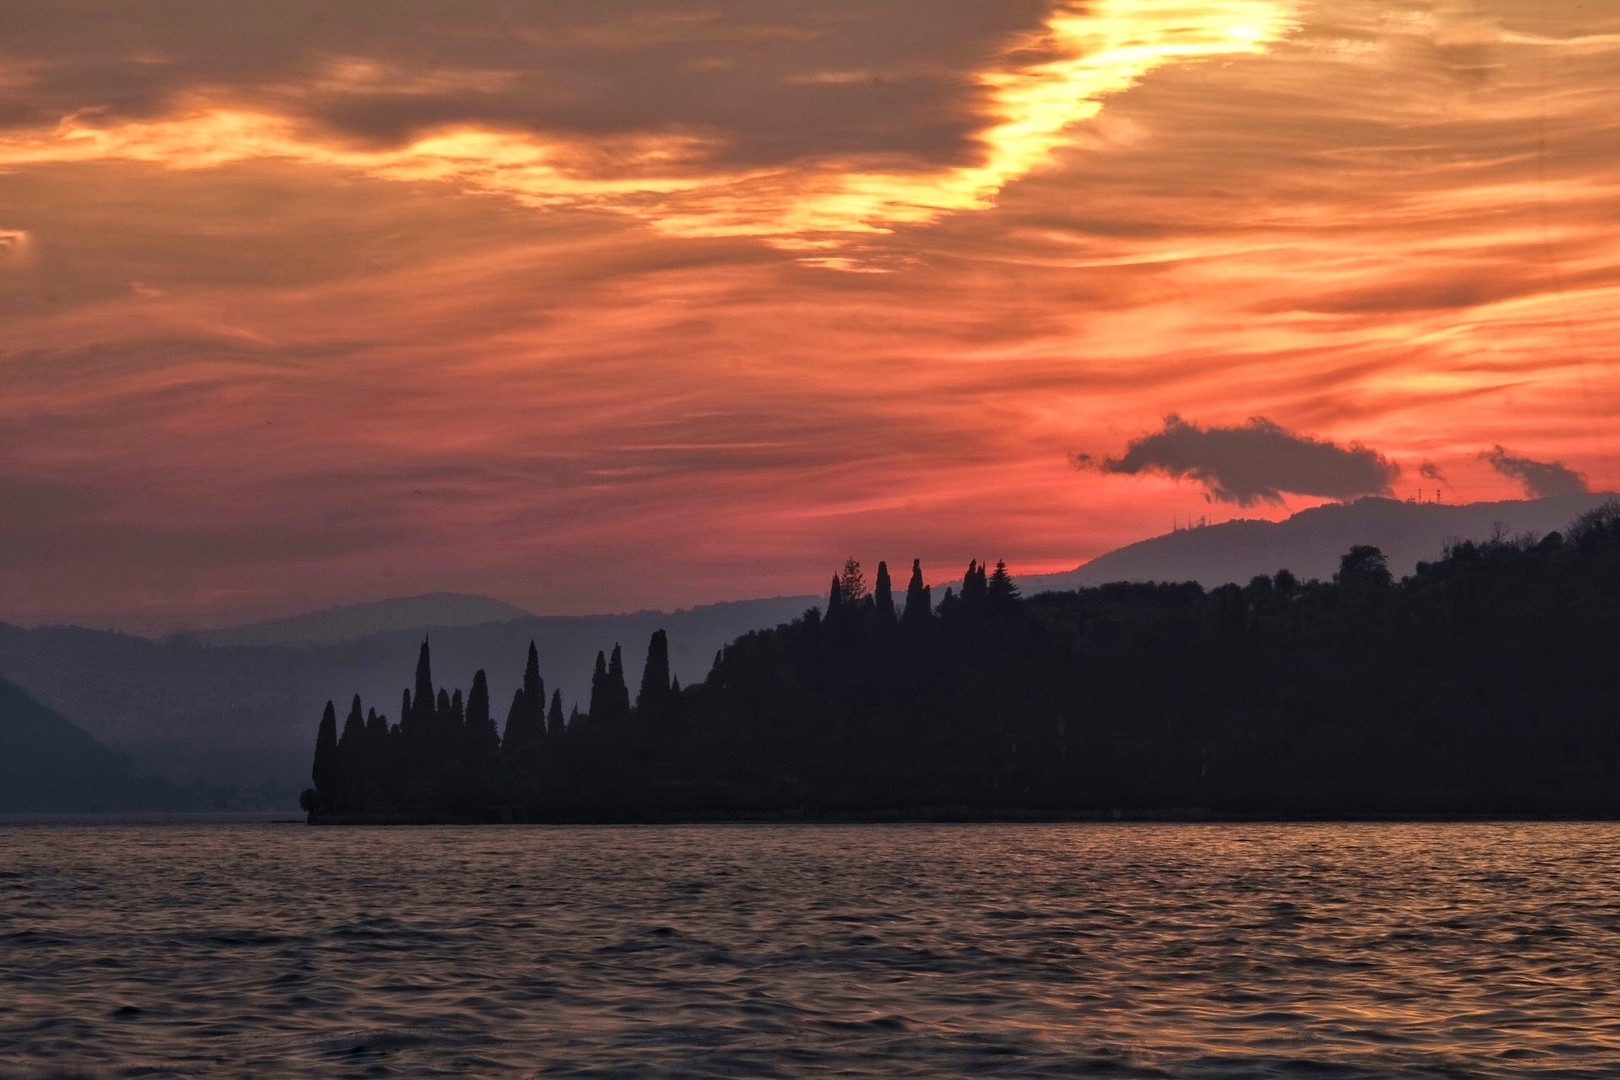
1000, 589
653, 698
883, 591
554, 718
600, 706
424, 699
534, 695
483, 743
618, 691
515, 740
851, 582
1479, 684
351, 758
918, 606
1364, 567
326, 772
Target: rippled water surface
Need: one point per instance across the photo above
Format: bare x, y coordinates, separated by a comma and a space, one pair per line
1333, 951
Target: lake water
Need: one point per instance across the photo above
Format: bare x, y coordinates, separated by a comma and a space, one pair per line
1323, 951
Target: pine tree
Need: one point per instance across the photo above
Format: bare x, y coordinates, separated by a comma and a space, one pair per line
1001, 589
654, 693
883, 591
852, 582
325, 770
554, 721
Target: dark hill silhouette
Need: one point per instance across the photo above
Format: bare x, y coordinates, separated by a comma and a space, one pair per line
1309, 543
49, 765
1479, 684
351, 622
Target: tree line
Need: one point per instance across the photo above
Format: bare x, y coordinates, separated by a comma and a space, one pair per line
1481, 683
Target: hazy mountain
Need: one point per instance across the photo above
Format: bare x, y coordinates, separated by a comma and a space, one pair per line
351, 622
47, 764
246, 715
1310, 542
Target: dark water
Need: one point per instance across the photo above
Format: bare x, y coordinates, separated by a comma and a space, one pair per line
1332, 951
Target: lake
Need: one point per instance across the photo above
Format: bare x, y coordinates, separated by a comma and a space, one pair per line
1084, 950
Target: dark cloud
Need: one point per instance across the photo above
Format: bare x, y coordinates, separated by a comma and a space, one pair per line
1540, 479
782, 79
1254, 462
1430, 471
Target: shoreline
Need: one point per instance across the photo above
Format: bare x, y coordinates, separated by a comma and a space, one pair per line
973, 816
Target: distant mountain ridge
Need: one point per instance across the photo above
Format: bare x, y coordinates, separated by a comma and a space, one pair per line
242, 714
50, 765
351, 622
1309, 543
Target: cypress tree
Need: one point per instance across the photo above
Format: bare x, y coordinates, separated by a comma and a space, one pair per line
379, 757
554, 721
917, 608
599, 689
407, 722
458, 712
423, 699
534, 694
513, 741
483, 744
835, 600
883, 591
325, 770
617, 686
351, 758
974, 587
654, 693
376, 740
441, 713
482, 739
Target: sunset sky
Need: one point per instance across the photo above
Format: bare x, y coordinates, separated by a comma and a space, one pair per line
603, 306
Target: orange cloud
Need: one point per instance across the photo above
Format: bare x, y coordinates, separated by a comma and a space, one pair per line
1082, 55
458, 312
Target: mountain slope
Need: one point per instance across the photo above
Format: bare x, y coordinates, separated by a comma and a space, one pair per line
351, 622
49, 765
246, 715
1310, 542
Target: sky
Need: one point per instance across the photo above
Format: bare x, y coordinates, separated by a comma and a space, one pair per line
601, 307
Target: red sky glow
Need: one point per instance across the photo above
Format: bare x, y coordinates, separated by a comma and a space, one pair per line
603, 307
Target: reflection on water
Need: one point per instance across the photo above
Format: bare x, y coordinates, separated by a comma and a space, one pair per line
1073, 950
